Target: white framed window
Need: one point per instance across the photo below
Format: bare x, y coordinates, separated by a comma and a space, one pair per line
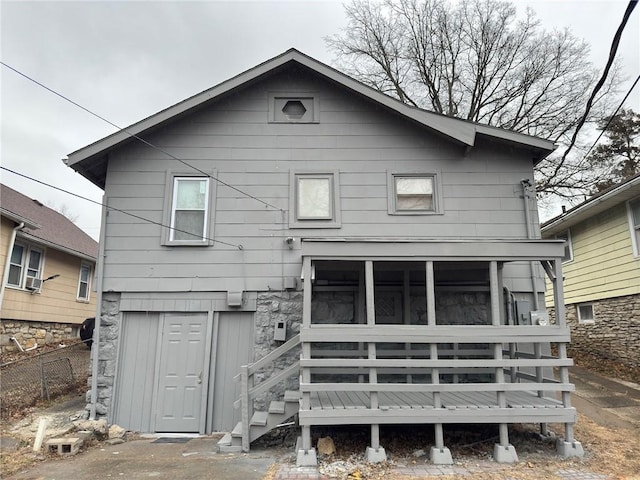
26, 262
314, 200
633, 209
84, 282
413, 193
568, 246
188, 212
586, 314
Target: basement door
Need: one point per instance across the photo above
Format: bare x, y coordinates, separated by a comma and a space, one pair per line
180, 400
233, 348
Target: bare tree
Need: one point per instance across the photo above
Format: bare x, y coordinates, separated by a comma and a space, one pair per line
477, 60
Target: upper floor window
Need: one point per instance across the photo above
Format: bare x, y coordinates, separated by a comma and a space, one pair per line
634, 224
568, 247
188, 210
314, 200
84, 281
26, 262
413, 194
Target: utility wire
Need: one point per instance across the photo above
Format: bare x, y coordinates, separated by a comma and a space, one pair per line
137, 137
612, 117
239, 247
612, 53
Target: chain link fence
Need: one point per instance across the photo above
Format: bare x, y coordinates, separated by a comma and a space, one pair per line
43, 376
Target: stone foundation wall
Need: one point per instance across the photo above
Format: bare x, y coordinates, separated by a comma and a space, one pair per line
29, 333
615, 333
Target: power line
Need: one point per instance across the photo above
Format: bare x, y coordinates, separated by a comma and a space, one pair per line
612, 116
239, 247
138, 137
612, 53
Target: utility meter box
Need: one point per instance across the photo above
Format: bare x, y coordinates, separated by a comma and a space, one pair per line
539, 317
280, 333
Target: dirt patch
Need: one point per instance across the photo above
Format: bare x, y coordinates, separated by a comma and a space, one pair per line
605, 366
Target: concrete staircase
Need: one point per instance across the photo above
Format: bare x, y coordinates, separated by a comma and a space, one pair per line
262, 422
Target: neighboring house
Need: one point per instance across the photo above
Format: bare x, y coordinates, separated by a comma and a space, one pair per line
48, 265
602, 271
385, 245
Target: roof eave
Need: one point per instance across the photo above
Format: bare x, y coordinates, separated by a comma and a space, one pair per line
19, 219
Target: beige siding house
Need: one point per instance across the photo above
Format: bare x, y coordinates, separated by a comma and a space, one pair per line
48, 266
291, 241
602, 271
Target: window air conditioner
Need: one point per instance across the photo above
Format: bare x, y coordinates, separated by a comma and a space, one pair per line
33, 284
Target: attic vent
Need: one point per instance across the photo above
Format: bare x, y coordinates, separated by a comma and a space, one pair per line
294, 110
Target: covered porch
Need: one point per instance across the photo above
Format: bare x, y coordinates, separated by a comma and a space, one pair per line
429, 332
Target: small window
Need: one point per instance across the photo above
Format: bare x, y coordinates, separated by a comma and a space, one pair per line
413, 194
314, 200
634, 225
585, 313
568, 247
84, 282
188, 210
25, 262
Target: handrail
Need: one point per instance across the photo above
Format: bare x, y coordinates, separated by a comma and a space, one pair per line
249, 391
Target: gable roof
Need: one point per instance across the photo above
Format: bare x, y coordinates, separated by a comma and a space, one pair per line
623, 191
91, 161
46, 226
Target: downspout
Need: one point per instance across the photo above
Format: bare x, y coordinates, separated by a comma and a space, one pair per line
7, 264
526, 186
95, 347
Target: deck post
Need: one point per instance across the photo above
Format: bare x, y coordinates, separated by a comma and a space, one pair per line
567, 447
306, 455
503, 452
439, 455
375, 453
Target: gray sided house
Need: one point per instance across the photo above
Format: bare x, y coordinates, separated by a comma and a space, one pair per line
315, 247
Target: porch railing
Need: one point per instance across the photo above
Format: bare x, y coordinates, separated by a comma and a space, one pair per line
250, 389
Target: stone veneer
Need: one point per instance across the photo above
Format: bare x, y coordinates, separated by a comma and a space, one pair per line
29, 333
108, 348
614, 334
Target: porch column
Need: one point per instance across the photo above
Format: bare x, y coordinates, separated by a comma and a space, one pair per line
375, 453
568, 447
306, 456
440, 455
503, 452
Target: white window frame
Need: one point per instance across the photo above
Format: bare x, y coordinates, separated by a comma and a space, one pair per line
568, 242
334, 220
173, 177
436, 200
585, 321
634, 229
88, 282
24, 264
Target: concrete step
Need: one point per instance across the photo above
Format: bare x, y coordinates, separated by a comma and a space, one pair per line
237, 430
229, 444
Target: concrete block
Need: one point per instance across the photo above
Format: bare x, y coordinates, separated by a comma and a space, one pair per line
569, 449
504, 453
307, 458
64, 446
375, 455
441, 456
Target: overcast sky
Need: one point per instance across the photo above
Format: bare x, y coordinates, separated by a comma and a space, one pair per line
128, 60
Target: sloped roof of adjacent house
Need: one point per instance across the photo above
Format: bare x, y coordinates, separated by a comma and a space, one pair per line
91, 161
46, 226
600, 202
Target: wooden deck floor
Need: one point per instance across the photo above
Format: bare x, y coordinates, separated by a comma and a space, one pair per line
420, 400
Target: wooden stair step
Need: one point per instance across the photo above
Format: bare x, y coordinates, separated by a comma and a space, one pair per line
237, 430
292, 396
276, 407
259, 418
